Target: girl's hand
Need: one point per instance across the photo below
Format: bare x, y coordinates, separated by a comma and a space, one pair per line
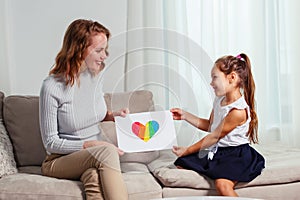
122, 113
178, 114
179, 151
93, 143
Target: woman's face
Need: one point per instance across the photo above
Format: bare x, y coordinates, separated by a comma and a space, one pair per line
96, 53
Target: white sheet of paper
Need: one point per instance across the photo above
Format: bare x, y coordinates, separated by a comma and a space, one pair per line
146, 131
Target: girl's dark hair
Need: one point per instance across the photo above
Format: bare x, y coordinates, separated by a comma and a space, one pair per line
77, 39
242, 66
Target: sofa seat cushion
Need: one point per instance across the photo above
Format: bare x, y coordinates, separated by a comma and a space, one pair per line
31, 186
139, 182
132, 167
165, 159
142, 186
169, 192
31, 170
282, 166
271, 192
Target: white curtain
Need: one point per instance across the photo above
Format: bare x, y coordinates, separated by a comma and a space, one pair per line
171, 46
267, 32
163, 59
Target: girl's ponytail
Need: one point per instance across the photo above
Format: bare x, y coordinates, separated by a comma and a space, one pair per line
249, 90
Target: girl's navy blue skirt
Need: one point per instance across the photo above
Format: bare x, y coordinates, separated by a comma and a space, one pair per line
240, 163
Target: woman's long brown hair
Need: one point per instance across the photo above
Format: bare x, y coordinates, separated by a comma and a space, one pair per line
242, 66
75, 43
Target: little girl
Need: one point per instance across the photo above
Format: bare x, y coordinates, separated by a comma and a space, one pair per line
232, 125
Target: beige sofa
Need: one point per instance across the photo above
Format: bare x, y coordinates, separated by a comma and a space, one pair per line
148, 175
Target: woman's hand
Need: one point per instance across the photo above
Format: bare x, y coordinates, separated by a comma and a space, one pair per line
93, 143
178, 114
110, 116
179, 151
122, 113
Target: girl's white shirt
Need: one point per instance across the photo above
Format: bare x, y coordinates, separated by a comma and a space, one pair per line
238, 135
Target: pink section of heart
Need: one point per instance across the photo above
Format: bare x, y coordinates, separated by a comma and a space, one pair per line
138, 129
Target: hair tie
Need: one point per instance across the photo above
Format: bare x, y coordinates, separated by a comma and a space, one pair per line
240, 57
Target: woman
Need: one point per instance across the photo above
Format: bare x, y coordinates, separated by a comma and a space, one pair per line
71, 107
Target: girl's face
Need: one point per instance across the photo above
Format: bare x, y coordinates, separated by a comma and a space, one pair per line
96, 53
219, 81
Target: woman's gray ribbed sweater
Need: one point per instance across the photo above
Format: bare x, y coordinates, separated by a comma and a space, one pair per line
71, 115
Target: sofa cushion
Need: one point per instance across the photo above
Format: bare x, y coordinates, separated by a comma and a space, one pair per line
21, 117
187, 193
1, 104
108, 132
7, 160
136, 101
282, 166
165, 159
133, 167
142, 186
173, 177
31, 186
141, 157
271, 192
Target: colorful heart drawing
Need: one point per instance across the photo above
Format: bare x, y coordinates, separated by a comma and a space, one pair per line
145, 132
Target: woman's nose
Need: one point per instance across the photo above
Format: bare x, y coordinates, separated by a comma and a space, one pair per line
103, 55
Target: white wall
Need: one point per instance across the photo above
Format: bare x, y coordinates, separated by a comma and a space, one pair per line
4, 73
32, 35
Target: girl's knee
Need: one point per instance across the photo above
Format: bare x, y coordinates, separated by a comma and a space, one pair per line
220, 184
225, 187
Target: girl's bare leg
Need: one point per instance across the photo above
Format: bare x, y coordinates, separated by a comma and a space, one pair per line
225, 187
